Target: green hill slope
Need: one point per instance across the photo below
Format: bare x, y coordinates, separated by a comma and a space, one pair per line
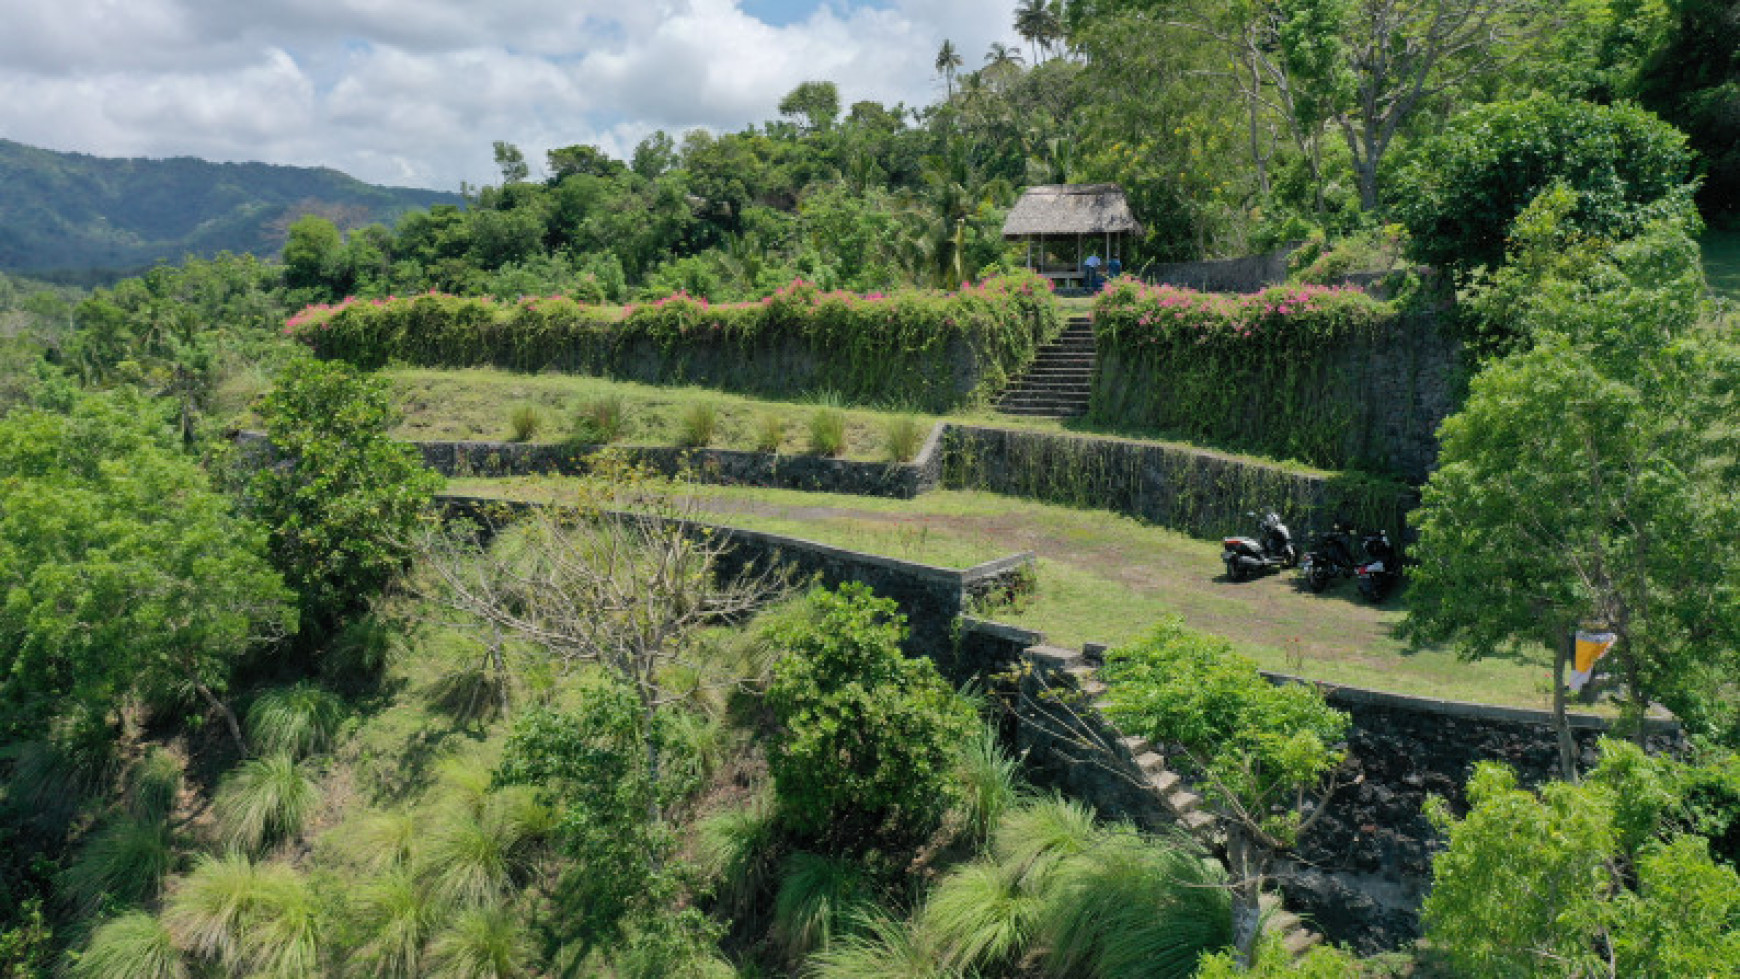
68, 215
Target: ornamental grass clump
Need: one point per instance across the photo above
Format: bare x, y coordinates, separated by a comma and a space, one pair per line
769, 432
525, 421
697, 425
904, 436
601, 421
828, 432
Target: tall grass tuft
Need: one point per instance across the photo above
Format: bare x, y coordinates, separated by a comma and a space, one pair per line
525, 421
254, 919
1132, 907
983, 917
819, 898
132, 946
298, 720
601, 421
828, 432
396, 917
904, 435
990, 783
475, 853
154, 785
769, 432
125, 862
265, 800
484, 942
738, 852
697, 425
386, 840
885, 948
1037, 837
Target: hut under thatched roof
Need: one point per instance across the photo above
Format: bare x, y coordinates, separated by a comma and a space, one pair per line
1091, 216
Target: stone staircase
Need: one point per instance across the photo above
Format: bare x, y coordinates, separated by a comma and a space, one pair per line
1076, 669
1057, 384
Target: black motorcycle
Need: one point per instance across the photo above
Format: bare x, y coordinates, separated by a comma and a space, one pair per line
1330, 557
1270, 550
1381, 569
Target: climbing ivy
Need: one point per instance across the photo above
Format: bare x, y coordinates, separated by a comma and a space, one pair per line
928, 350
1254, 372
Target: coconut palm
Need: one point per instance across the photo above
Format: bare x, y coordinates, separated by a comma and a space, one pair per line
300, 720
124, 862
265, 800
1001, 57
484, 942
133, 946
948, 60
1038, 23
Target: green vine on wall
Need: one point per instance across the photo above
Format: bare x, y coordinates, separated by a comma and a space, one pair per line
929, 350
1255, 372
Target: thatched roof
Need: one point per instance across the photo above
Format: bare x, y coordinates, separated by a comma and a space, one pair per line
1071, 209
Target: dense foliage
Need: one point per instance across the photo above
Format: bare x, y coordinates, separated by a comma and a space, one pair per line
1467, 184
868, 733
1254, 372
1600, 878
905, 348
343, 502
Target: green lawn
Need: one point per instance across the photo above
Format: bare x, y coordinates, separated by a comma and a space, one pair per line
1108, 578
1722, 262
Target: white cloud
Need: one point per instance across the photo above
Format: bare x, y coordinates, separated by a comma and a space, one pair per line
414, 91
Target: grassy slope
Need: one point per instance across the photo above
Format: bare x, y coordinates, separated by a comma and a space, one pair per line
1722, 262
1107, 578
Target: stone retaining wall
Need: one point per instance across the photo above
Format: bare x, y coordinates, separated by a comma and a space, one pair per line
1249, 273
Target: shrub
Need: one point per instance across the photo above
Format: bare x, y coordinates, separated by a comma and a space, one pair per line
524, 422
870, 734
769, 432
904, 437
601, 421
828, 432
698, 424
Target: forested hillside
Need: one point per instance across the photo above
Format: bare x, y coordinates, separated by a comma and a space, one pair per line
78, 217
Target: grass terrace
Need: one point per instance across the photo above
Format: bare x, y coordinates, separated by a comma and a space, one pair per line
1106, 578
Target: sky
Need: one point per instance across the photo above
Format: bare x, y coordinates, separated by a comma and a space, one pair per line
414, 92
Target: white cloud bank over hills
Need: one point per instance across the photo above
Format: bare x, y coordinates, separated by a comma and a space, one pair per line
413, 92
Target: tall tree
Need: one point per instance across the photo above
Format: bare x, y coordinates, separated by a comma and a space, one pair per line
948, 61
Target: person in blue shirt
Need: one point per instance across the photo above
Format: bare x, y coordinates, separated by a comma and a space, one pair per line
1092, 276
1114, 268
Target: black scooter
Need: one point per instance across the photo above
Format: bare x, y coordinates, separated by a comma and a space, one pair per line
1330, 558
1271, 550
1382, 567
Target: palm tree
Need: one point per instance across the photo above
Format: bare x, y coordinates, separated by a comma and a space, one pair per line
1030, 23
947, 60
1002, 58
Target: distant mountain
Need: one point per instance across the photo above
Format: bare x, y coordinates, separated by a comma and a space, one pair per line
84, 218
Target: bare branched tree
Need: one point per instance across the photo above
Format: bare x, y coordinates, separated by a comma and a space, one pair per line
623, 579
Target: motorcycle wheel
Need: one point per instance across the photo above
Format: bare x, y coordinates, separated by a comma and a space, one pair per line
1235, 570
1316, 578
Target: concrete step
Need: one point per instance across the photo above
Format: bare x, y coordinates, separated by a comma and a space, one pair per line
1165, 782
1135, 746
1056, 657
1021, 412
1151, 763
1196, 821
1182, 801
1045, 398
1300, 940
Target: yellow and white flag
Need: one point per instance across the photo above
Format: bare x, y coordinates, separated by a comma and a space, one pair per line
1591, 646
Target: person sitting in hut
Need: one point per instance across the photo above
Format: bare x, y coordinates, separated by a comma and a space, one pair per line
1092, 272
1114, 268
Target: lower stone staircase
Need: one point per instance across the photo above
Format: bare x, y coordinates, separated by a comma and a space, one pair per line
1058, 383
1066, 668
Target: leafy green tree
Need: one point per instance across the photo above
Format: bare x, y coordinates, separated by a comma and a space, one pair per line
126, 574
1264, 750
313, 253
1691, 77
1580, 880
816, 105
868, 735
345, 500
512, 163
1464, 187
1616, 416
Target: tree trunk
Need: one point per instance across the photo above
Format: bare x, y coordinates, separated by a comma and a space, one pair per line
1562, 723
229, 716
501, 673
1247, 896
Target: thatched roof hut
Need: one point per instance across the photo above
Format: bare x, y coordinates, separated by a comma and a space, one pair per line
1094, 218
1066, 210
